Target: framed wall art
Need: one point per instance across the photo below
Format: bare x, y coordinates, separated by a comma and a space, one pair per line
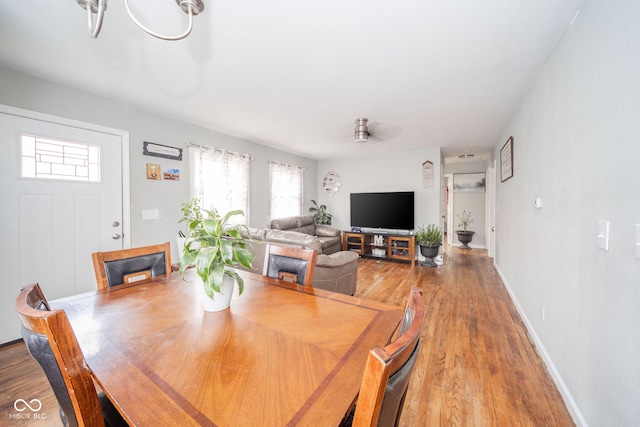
469, 182
164, 151
506, 160
427, 174
153, 171
171, 174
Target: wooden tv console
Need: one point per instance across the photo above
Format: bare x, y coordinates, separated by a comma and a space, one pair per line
391, 247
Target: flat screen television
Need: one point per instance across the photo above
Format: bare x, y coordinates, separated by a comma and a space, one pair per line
391, 211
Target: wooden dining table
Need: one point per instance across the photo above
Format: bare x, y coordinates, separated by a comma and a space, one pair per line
282, 354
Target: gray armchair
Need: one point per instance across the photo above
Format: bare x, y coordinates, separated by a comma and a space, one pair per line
336, 272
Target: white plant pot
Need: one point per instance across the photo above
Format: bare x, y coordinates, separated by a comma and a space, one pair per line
221, 300
180, 241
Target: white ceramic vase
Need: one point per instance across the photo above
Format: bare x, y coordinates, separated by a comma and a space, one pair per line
180, 241
221, 300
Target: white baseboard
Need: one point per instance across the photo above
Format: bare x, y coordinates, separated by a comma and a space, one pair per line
574, 410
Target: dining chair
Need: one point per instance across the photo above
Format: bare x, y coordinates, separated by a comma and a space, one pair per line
51, 342
296, 265
388, 371
132, 265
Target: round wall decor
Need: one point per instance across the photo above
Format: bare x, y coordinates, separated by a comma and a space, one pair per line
331, 183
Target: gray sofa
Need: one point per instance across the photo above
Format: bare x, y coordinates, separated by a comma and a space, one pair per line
335, 272
330, 238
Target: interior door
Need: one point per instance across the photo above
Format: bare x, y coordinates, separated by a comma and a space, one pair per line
52, 222
449, 204
490, 209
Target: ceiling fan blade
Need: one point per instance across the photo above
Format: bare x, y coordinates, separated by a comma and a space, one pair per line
373, 126
338, 132
337, 137
375, 139
385, 131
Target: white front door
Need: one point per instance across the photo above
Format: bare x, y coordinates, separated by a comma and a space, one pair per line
51, 223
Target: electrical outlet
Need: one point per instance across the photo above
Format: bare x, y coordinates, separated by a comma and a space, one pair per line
543, 310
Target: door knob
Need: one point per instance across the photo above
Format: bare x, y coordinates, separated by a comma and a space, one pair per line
115, 236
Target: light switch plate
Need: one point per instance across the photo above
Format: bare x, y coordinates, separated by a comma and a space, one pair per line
637, 241
149, 214
603, 235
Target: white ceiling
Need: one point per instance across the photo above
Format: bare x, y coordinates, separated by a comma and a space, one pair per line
296, 74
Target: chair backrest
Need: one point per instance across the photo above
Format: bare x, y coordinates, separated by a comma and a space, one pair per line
297, 265
132, 265
388, 370
52, 343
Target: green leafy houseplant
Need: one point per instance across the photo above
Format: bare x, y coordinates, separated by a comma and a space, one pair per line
214, 248
432, 235
191, 211
320, 214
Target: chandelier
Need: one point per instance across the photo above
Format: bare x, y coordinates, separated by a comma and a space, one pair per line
190, 7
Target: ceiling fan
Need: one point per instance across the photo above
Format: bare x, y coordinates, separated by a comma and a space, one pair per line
373, 132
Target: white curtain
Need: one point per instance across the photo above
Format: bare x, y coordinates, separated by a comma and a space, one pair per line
220, 179
286, 190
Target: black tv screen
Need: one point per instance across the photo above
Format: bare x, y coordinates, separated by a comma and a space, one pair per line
382, 210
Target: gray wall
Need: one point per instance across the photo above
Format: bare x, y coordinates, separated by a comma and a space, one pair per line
399, 171
576, 147
19, 90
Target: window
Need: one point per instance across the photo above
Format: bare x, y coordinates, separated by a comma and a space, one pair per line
285, 190
44, 158
221, 180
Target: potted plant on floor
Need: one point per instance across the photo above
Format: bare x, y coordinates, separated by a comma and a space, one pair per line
214, 248
320, 214
430, 240
464, 235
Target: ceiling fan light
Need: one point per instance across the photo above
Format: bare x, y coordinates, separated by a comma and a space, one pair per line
362, 136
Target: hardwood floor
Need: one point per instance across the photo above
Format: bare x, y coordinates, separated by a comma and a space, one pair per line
22, 378
477, 365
